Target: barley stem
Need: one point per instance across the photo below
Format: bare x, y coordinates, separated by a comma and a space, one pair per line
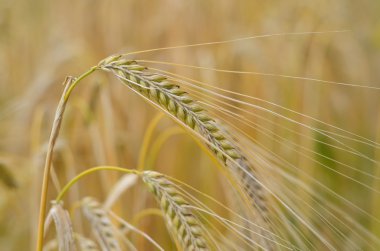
77, 80
47, 168
89, 171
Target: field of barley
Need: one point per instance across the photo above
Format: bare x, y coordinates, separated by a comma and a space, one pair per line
189, 125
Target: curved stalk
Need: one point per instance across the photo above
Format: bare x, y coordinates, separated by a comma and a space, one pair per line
69, 83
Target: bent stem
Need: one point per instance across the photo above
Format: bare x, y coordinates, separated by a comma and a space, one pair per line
69, 83
92, 170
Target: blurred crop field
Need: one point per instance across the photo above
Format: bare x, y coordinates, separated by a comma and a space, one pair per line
42, 42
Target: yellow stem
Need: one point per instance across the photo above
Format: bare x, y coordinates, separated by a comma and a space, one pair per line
70, 84
89, 171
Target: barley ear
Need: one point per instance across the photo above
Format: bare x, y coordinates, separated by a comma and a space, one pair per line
168, 95
101, 224
183, 225
63, 227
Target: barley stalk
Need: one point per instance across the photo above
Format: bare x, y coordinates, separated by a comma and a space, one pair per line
69, 82
182, 223
174, 100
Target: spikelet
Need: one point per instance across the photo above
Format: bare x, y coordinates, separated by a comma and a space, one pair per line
86, 244
7, 177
